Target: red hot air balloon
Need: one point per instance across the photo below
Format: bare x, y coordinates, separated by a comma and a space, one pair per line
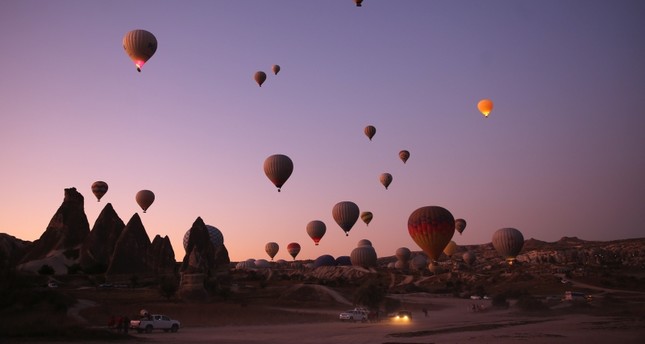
293, 249
345, 214
432, 228
316, 230
144, 199
99, 188
278, 169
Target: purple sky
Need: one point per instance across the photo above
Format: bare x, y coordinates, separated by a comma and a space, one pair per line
562, 153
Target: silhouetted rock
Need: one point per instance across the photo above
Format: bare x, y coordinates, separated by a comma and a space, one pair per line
66, 231
200, 254
161, 256
11, 251
99, 245
131, 250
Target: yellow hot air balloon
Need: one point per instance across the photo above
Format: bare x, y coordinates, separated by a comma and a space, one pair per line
367, 216
450, 249
432, 228
386, 179
485, 106
140, 45
260, 77
99, 188
144, 199
370, 131
276, 69
278, 169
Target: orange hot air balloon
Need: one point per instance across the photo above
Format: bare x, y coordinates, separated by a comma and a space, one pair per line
460, 225
485, 106
508, 242
278, 169
316, 230
367, 216
276, 69
144, 199
432, 228
370, 131
99, 188
450, 249
271, 249
260, 77
345, 214
140, 45
386, 179
293, 249
404, 156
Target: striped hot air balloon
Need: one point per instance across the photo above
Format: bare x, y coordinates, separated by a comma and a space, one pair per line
508, 242
367, 217
432, 228
140, 45
345, 214
278, 169
316, 230
99, 188
370, 131
364, 256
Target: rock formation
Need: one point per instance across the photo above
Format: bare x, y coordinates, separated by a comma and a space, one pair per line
99, 245
66, 231
161, 256
131, 250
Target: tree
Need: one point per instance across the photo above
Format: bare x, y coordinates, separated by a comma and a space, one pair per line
168, 287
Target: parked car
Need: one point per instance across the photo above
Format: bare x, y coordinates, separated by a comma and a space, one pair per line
155, 322
354, 315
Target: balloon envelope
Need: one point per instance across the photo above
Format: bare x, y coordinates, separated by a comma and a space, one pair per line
271, 249
99, 188
316, 230
364, 242
404, 156
367, 216
403, 254
450, 249
293, 249
386, 179
276, 69
214, 234
260, 77
508, 242
278, 169
364, 256
370, 131
460, 225
144, 199
432, 228
140, 45
485, 106
345, 214
469, 257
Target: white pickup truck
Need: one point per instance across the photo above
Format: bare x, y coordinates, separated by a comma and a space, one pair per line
155, 322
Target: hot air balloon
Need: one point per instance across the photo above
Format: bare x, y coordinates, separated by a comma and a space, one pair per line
272, 249
432, 228
343, 261
404, 156
144, 199
364, 242
370, 131
460, 225
363, 256
214, 234
262, 264
276, 69
324, 260
485, 106
367, 216
403, 254
450, 249
359, 3
508, 243
260, 77
345, 214
140, 45
386, 179
99, 188
469, 257
293, 249
419, 262
316, 230
278, 169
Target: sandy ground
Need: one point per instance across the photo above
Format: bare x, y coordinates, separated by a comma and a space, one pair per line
449, 320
